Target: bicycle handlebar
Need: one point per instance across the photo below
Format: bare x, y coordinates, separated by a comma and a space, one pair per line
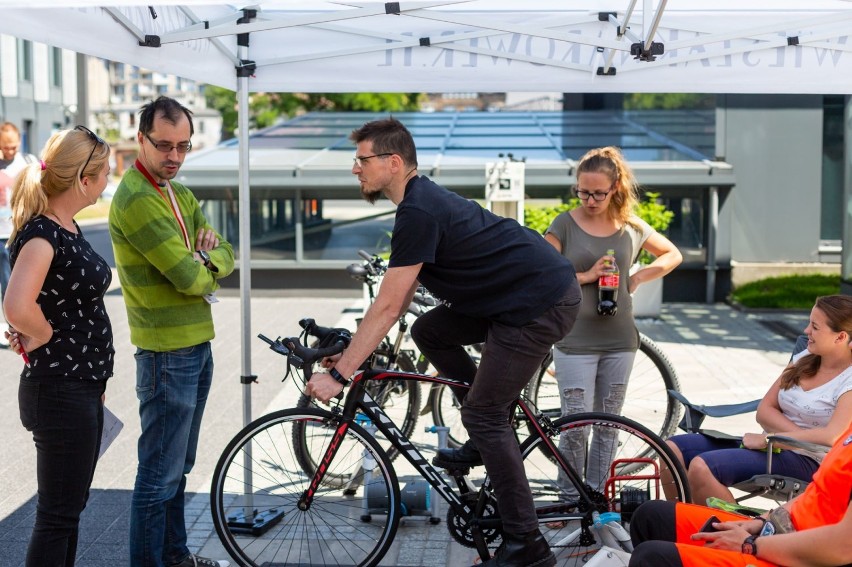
331, 342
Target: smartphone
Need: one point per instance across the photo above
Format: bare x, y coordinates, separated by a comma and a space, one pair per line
708, 525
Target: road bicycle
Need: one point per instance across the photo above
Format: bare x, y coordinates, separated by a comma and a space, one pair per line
647, 390
345, 508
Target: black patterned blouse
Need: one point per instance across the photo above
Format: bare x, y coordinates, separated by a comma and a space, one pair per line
72, 300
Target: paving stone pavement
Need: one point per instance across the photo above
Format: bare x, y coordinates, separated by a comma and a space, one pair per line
720, 354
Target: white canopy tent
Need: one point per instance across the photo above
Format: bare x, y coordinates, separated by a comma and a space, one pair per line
718, 46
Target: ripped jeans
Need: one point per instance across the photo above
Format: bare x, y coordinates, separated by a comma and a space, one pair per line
591, 382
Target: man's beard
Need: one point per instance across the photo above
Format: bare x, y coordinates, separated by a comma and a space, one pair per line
371, 197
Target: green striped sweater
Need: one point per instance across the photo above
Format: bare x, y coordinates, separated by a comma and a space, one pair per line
163, 285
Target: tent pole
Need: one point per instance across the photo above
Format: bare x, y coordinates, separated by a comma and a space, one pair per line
245, 242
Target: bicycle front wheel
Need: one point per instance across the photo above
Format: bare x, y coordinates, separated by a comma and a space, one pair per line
647, 400
603, 450
258, 483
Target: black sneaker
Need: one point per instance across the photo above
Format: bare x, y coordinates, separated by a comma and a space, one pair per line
193, 560
522, 550
461, 457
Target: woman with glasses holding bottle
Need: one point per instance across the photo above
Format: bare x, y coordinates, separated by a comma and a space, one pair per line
593, 362
58, 324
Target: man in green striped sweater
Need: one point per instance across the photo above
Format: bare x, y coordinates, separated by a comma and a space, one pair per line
169, 262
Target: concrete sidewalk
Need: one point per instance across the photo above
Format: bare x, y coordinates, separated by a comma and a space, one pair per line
720, 354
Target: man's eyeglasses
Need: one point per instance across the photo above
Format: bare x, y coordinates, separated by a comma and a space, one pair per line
359, 160
95, 138
167, 147
597, 195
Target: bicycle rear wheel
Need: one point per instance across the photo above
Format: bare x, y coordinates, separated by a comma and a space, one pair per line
647, 399
615, 485
258, 483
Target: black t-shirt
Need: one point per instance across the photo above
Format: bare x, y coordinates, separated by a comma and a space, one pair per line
481, 264
72, 300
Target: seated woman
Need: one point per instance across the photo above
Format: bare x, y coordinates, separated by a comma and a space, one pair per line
808, 402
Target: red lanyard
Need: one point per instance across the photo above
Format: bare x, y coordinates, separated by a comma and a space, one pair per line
171, 201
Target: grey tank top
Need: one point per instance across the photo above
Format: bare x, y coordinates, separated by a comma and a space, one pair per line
593, 333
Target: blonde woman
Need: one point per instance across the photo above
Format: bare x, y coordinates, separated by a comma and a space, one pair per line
593, 362
57, 322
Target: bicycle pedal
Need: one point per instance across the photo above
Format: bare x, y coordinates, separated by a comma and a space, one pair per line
454, 470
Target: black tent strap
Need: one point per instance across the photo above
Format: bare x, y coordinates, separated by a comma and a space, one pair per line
248, 16
794, 40
150, 41
609, 72
638, 51
246, 68
248, 379
424, 42
392, 8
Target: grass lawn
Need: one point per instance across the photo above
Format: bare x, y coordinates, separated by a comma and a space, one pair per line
786, 292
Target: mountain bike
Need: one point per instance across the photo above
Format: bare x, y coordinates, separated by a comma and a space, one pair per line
345, 508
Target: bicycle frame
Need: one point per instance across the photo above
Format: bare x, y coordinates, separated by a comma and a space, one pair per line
358, 399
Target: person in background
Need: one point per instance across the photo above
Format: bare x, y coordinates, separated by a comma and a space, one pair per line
12, 161
810, 401
501, 285
169, 261
810, 530
594, 361
68, 352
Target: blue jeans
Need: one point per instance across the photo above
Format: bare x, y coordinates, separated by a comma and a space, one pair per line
172, 388
66, 418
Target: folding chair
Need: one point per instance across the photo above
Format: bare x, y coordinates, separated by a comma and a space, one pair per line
776, 487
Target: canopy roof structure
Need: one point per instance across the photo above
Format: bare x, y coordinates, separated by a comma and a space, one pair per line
718, 46
313, 154
584, 46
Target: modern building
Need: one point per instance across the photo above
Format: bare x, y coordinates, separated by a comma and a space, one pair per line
117, 91
38, 89
756, 184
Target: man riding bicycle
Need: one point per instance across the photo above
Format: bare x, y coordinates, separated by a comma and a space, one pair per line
501, 284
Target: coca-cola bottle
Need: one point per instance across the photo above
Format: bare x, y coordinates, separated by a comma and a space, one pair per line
608, 287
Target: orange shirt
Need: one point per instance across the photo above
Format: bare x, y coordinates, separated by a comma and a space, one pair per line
826, 499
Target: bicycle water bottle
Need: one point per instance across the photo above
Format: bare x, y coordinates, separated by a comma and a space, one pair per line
608, 287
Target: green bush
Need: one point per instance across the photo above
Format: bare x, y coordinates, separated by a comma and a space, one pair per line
786, 292
650, 209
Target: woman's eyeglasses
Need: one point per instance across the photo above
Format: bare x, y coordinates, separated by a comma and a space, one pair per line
167, 147
95, 138
597, 195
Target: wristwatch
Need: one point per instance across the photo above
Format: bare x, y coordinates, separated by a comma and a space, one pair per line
204, 256
750, 545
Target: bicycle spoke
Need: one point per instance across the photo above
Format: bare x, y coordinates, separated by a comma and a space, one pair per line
351, 519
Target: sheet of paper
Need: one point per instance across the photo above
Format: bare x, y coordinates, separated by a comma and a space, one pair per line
112, 427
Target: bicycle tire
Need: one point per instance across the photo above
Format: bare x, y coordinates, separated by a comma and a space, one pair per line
549, 488
258, 472
400, 399
647, 400
446, 410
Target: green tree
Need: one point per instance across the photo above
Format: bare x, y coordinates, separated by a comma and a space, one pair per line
668, 101
265, 109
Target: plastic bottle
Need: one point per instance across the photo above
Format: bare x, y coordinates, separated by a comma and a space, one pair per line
608, 287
